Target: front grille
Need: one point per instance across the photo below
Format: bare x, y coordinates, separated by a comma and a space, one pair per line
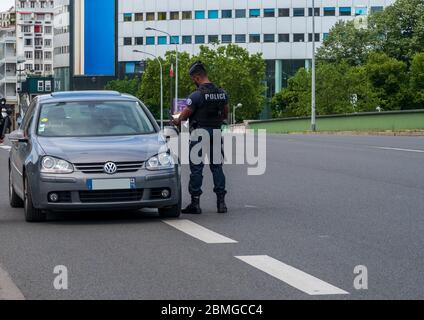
111, 196
99, 167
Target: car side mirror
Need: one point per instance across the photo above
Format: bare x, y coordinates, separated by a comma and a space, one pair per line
18, 136
170, 132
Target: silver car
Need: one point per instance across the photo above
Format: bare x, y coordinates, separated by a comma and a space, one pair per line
91, 151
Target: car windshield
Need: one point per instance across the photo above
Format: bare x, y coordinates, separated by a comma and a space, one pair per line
86, 119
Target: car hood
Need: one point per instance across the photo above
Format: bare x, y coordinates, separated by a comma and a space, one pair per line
103, 149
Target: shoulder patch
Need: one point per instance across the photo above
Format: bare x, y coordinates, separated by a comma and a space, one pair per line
189, 102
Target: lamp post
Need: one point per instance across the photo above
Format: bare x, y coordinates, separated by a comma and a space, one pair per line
161, 84
234, 112
313, 98
176, 61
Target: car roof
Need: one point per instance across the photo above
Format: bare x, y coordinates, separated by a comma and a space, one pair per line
67, 96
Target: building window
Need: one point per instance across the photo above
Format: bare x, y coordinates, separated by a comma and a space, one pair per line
48, 30
129, 67
161, 16
255, 38
28, 54
360, 11
47, 43
269, 13
298, 12
162, 40
317, 12
138, 16
213, 14
127, 17
284, 37
187, 15
139, 41
376, 9
254, 13
40, 85
150, 41
226, 38
47, 55
298, 37
345, 11
325, 36
175, 40
329, 11
240, 13
187, 39
28, 42
199, 39
150, 16
174, 15
284, 12
240, 38
213, 39
48, 83
199, 14
127, 41
317, 37
227, 14
269, 38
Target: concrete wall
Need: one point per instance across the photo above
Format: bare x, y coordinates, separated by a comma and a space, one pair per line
394, 120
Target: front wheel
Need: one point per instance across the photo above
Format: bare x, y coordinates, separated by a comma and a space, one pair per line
32, 214
14, 200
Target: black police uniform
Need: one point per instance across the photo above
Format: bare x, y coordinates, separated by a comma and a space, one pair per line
207, 103
5, 124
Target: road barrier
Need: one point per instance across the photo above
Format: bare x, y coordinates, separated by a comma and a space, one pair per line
367, 121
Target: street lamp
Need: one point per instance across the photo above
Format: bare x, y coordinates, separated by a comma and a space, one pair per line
313, 98
234, 112
176, 61
161, 84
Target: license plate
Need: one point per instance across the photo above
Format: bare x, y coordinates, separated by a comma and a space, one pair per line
111, 184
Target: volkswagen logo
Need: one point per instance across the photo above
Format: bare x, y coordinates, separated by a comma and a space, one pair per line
110, 168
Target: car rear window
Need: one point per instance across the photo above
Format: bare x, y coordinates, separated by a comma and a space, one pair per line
86, 119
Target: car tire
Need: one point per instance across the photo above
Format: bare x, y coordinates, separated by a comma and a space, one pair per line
173, 211
14, 200
32, 214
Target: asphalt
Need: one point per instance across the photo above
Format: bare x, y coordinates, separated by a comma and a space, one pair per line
325, 205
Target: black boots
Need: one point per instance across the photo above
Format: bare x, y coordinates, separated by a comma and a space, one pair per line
193, 207
222, 208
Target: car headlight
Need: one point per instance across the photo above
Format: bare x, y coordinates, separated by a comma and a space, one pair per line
160, 162
55, 165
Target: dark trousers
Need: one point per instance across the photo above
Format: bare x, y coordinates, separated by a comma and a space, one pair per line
196, 176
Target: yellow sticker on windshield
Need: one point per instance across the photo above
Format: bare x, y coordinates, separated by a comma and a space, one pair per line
44, 120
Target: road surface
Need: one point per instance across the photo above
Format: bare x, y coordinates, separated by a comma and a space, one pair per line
326, 205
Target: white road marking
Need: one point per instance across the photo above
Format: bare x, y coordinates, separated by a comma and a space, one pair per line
198, 232
249, 206
6, 147
292, 276
8, 290
400, 149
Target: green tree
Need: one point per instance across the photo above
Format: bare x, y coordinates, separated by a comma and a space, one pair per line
417, 79
401, 29
130, 86
388, 77
149, 91
347, 42
241, 74
230, 67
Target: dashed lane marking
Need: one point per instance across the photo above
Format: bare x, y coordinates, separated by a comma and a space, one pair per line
292, 276
198, 232
400, 149
8, 290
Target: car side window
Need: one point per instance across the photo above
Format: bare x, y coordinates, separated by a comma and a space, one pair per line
26, 123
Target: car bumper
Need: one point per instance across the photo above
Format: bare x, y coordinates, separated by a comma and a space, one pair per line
74, 193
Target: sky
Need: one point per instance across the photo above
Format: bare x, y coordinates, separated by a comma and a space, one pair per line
6, 4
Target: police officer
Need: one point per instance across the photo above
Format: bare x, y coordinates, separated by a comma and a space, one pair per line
207, 109
5, 122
